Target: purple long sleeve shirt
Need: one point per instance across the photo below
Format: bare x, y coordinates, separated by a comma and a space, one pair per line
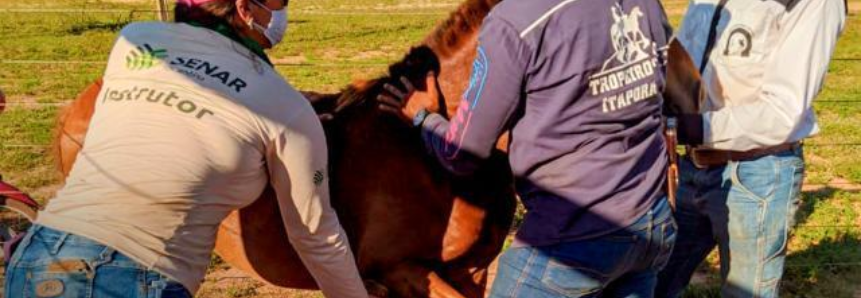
578, 83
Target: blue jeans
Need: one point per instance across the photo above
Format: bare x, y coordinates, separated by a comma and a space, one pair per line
51, 263
746, 209
622, 264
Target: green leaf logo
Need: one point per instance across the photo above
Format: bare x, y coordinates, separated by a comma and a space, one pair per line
144, 57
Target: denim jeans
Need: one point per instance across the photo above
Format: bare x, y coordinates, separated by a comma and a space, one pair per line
746, 209
51, 263
622, 264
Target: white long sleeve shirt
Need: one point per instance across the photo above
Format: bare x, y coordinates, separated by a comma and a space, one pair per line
767, 66
189, 126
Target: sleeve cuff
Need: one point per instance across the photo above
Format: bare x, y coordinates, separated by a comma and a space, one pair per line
432, 121
428, 130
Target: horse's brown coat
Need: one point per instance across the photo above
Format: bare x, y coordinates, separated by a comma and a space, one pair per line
413, 227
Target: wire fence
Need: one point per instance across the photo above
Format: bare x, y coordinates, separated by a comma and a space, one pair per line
276, 63
336, 12
849, 186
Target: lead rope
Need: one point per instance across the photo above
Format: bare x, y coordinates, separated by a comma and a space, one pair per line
710, 43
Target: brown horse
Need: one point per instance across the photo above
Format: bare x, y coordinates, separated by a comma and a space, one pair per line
414, 228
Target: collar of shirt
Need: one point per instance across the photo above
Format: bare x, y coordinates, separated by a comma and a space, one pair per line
224, 29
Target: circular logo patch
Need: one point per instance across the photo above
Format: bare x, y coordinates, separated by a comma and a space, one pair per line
49, 288
739, 43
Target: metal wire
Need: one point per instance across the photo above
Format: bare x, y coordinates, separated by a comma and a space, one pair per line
442, 11
844, 264
285, 64
328, 65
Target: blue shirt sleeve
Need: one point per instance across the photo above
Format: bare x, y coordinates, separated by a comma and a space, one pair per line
495, 90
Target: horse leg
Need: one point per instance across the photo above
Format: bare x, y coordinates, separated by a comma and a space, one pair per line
413, 280
464, 229
491, 276
376, 289
469, 281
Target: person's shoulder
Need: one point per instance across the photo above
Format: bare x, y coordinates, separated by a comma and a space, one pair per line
276, 100
525, 16
803, 5
148, 28
520, 14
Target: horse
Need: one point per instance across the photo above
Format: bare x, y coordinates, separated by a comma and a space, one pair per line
415, 229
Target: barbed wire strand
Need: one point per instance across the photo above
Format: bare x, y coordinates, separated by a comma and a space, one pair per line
441, 12
806, 145
796, 227
286, 64
101, 62
342, 13
844, 264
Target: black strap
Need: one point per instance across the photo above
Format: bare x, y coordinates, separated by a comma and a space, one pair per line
710, 43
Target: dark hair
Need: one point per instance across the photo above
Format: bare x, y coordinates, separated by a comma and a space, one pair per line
207, 14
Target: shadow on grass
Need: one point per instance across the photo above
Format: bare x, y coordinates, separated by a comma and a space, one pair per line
88, 26
829, 266
811, 199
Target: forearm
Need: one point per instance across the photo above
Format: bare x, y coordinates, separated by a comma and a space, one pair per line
327, 256
450, 155
298, 172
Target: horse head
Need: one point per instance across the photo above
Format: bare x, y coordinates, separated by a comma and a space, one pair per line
446, 51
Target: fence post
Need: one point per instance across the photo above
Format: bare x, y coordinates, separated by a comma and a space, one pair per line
162, 10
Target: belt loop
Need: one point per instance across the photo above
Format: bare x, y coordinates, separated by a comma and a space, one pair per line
107, 254
56, 249
34, 229
158, 287
652, 215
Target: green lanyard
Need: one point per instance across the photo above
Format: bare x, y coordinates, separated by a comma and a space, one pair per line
224, 29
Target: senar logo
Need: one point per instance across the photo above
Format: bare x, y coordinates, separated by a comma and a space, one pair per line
144, 57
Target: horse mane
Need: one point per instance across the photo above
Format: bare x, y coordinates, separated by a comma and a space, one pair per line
450, 36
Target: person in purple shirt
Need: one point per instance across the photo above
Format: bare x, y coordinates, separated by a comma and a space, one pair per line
578, 84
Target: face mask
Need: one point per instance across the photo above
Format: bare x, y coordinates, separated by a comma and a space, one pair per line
277, 24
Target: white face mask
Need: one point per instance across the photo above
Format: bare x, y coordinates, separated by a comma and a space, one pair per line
277, 24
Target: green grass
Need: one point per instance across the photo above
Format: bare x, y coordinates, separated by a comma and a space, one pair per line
332, 42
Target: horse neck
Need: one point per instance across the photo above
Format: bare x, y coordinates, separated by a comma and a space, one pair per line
454, 43
454, 73
449, 50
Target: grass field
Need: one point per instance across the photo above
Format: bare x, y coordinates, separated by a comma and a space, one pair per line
47, 58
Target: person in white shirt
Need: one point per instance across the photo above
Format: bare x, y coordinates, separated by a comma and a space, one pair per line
762, 63
192, 122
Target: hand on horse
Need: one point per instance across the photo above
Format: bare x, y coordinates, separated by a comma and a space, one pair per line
407, 103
